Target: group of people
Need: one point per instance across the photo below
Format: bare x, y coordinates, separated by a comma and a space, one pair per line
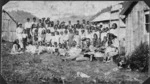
80, 41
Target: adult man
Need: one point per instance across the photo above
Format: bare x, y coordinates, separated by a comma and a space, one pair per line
113, 30
78, 25
47, 22
83, 24
57, 26
27, 27
34, 22
88, 25
69, 25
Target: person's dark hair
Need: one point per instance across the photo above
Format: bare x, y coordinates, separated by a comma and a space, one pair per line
34, 18
28, 19
114, 25
95, 35
16, 42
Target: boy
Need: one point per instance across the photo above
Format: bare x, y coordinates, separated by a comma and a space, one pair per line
24, 37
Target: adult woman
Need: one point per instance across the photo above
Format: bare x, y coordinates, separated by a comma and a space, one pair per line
19, 32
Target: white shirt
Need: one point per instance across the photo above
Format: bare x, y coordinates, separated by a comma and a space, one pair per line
115, 42
97, 33
40, 31
74, 51
19, 32
52, 29
77, 38
114, 31
48, 37
24, 35
103, 34
62, 39
52, 39
28, 25
83, 35
66, 37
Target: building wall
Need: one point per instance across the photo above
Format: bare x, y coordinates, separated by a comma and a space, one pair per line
135, 27
8, 28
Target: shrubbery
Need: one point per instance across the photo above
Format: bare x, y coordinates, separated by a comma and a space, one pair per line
139, 58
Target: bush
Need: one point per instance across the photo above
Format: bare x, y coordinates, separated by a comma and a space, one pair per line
139, 58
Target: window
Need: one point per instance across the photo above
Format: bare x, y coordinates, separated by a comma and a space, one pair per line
147, 21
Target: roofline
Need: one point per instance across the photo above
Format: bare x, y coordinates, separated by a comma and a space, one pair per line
129, 8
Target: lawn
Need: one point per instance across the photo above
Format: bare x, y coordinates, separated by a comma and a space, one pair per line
49, 69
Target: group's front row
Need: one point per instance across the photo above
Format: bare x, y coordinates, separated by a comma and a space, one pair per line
73, 50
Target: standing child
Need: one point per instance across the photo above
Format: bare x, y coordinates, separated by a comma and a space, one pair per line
24, 36
40, 35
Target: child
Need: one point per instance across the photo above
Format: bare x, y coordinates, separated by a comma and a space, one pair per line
48, 36
16, 47
95, 40
77, 38
34, 33
40, 35
52, 38
24, 36
57, 37
73, 53
62, 50
71, 37
61, 39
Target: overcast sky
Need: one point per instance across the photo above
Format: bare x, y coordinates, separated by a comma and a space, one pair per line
58, 9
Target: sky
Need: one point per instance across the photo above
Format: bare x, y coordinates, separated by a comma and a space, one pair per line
59, 9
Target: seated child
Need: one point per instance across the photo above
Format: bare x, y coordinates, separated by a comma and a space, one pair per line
16, 47
62, 50
73, 53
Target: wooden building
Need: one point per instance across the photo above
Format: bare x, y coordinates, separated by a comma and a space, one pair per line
8, 27
9, 21
137, 19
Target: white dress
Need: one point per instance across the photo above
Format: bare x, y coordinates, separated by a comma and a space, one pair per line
19, 32
40, 34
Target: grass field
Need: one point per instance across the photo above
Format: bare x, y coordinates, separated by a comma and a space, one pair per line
49, 69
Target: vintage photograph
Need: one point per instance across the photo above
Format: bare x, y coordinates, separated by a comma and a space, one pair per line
75, 42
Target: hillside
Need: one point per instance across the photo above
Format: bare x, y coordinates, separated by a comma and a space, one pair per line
21, 16
74, 18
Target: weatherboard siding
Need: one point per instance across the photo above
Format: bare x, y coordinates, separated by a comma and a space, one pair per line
134, 27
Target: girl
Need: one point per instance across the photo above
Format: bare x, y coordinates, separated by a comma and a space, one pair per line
34, 33
16, 47
112, 48
73, 53
40, 35
48, 36
95, 40
77, 38
62, 50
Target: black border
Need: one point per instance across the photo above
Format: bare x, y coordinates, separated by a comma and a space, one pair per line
3, 2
